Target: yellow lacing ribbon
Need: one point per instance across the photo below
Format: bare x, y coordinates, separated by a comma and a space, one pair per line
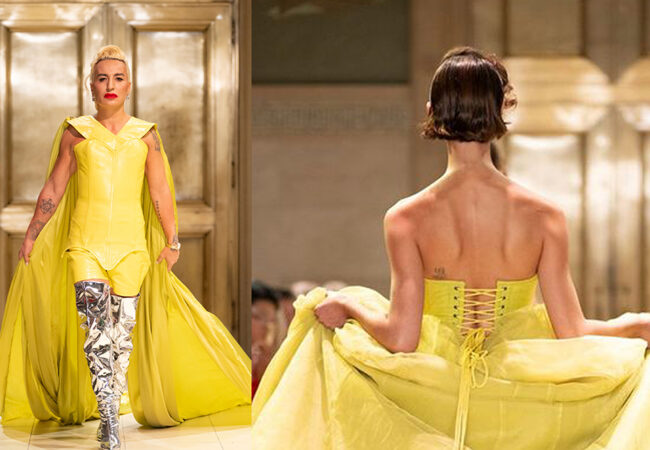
472, 354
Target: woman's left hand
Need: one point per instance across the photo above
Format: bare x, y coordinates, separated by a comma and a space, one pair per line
333, 311
171, 256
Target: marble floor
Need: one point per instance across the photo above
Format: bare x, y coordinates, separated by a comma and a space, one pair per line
226, 430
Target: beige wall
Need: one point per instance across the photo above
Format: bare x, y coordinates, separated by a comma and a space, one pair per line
327, 162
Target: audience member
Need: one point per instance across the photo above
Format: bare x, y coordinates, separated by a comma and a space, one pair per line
272, 312
263, 329
285, 313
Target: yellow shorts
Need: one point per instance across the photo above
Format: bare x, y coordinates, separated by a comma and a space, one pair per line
125, 278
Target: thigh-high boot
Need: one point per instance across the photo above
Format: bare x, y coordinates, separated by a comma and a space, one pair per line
93, 303
123, 320
123, 314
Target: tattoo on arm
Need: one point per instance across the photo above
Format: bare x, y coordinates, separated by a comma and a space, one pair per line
439, 273
155, 140
35, 228
158, 212
175, 238
47, 205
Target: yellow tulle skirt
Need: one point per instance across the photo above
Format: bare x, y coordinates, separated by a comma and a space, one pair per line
343, 390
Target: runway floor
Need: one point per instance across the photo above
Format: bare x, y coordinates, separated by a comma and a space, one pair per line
227, 430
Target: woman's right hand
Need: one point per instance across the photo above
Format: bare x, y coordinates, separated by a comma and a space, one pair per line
332, 312
26, 250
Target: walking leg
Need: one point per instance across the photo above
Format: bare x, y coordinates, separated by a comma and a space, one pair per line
93, 304
123, 317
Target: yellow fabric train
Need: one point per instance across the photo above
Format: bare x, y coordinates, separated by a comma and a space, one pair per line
516, 387
184, 364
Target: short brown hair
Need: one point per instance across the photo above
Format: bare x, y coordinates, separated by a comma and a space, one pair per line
468, 94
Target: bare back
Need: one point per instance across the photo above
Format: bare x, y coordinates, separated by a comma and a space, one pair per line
478, 226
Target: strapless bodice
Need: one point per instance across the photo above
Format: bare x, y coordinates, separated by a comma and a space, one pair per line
108, 220
450, 300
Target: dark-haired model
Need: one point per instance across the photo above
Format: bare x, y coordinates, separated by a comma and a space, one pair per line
461, 357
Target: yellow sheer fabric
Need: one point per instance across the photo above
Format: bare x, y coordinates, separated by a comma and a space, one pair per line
511, 386
184, 364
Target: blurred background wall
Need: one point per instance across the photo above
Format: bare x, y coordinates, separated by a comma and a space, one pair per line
340, 86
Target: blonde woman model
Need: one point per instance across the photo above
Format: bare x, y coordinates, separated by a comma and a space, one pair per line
104, 237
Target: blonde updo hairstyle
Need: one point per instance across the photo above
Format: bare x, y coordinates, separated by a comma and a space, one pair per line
106, 52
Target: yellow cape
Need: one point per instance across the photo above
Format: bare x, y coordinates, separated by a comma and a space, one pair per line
184, 364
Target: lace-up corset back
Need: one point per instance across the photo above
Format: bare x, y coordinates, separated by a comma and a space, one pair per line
467, 308
475, 312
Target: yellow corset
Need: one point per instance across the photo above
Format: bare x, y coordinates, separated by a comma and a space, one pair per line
454, 304
108, 219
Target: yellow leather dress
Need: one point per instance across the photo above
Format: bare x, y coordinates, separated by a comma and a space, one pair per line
107, 220
184, 364
509, 384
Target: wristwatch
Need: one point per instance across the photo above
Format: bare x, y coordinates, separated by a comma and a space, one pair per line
174, 246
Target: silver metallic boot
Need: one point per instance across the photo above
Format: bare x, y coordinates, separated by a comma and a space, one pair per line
93, 304
123, 320
123, 314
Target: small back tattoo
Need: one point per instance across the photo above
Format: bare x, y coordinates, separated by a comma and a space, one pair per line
439, 273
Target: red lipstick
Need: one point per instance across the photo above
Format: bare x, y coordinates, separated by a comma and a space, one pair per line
110, 95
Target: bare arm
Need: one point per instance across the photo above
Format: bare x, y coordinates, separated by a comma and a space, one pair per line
559, 291
399, 329
53, 190
161, 197
158, 188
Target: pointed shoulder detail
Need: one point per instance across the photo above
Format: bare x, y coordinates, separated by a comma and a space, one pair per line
79, 120
83, 124
140, 127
